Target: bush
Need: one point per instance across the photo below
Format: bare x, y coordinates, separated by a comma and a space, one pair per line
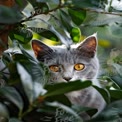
24, 94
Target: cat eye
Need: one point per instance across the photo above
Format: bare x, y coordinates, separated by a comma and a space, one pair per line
54, 68
79, 66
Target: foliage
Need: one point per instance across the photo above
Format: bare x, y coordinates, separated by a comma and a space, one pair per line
24, 94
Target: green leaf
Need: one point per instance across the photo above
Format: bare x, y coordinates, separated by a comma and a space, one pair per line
4, 115
31, 74
9, 15
97, 19
26, 54
62, 36
49, 35
63, 110
33, 2
22, 35
105, 94
32, 67
10, 70
79, 109
62, 88
11, 94
59, 98
6, 58
116, 94
117, 79
26, 82
77, 16
65, 19
94, 4
40, 7
19, 2
116, 29
112, 113
52, 3
45, 33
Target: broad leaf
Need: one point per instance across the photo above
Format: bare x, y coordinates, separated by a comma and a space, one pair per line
112, 113
9, 15
59, 98
77, 16
105, 94
11, 94
63, 111
22, 35
62, 88
116, 94
117, 79
26, 54
26, 82
45, 33
79, 109
65, 19
52, 3
31, 66
96, 19
89, 3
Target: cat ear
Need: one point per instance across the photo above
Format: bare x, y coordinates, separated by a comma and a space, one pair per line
88, 46
41, 50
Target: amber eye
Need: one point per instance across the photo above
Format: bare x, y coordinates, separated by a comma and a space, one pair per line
79, 67
54, 68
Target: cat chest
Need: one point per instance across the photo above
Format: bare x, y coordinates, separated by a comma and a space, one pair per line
82, 97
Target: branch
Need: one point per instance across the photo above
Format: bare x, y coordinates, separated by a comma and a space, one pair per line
101, 12
47, 12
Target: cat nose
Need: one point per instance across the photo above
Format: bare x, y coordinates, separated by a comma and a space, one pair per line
67, 78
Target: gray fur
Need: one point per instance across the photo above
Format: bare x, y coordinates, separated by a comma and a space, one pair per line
66, 59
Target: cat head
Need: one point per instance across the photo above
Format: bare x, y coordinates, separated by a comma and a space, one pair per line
78, 62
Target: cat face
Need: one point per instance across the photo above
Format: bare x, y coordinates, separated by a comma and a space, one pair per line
78, 62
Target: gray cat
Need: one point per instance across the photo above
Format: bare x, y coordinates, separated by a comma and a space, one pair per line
78, 62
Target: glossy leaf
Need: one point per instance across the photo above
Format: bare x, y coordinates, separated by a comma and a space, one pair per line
65, 110
33, 2
22, 35
79, 109
59, 98
65, 19
77, 16
26, 54
62, 88
45, 33
52, 3
89, 3
11, 94
9, 15
105, 94
117, 79
32, 67
49, 35
20, 3
116, 94
26, 82
112, 113
96, 19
